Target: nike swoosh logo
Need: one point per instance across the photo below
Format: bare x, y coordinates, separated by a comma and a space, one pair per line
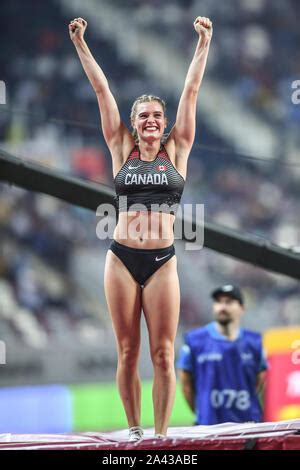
133, 167
159, 259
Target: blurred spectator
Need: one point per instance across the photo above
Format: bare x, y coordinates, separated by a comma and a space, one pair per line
222, 366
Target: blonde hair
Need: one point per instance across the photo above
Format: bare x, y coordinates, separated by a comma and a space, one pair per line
146, 99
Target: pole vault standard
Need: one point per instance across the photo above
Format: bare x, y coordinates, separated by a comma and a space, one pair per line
37, 178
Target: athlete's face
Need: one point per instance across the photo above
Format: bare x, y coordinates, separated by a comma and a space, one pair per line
227, 310
150, 121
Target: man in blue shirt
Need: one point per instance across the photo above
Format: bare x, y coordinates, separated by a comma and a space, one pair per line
222, 366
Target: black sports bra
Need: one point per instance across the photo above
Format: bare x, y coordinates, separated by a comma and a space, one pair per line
155, 184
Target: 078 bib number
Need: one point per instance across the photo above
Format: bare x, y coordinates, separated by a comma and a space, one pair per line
229, 398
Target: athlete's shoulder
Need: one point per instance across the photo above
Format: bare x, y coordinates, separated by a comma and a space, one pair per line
134, 152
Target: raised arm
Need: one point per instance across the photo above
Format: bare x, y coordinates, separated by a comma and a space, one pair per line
112, 126
183, 131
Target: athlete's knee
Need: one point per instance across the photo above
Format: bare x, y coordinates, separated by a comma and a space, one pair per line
163, 357
128, 354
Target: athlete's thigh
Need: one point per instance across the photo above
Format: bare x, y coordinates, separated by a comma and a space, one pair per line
161, 304
123, 296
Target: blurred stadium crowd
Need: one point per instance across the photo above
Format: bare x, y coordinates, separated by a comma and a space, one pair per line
51, 263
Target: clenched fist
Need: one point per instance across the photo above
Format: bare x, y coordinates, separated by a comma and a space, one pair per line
77, 28
203, 26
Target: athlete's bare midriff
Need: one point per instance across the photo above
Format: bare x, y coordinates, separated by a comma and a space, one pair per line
143, 229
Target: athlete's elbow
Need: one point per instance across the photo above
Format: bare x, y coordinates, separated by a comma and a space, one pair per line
101, 87
191, 89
